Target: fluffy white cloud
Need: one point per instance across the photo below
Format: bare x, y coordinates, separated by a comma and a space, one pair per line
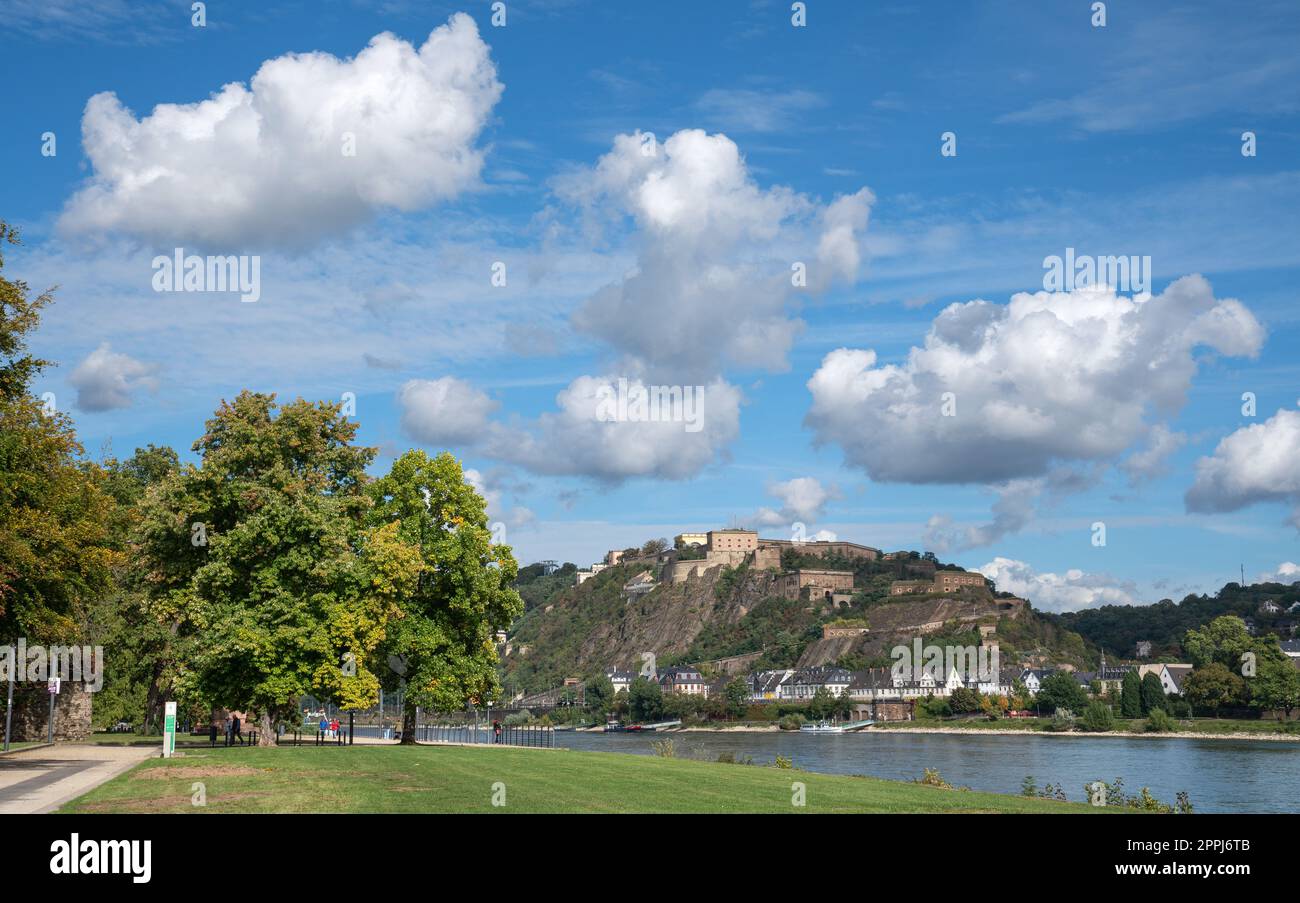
803, 500
445, 411
578, 439
715, 275
1257, 463
105, 380
1045, 379
265, 164
1287, 572
1070, 591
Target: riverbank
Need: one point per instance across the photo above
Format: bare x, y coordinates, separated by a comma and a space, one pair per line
446, 779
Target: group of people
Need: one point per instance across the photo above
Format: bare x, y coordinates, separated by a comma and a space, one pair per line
330, 727
233, 730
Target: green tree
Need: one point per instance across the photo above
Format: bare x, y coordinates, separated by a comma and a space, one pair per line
1153, 693
600, 695
1061, 691
1213, 686
55, 555
1224, 640
965, 700
1276, 684
261, 558
464, 589
1130, 696
737, 695
645, 700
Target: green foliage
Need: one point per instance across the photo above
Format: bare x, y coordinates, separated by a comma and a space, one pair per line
1097, 717
1117, 628
791, 722
1153, 694
1061, 690
1160, 722
599, 695
462, 593
56, 555
645, 700
1130, 696
964, 700
1213, 686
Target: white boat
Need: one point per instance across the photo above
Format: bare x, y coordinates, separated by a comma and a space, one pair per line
827, 727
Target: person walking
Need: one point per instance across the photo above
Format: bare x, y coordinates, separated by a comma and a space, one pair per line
496, 731
212, 732
324, 727
235, 735
227, 726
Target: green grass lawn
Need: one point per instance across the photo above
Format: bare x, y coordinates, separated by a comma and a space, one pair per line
458, 779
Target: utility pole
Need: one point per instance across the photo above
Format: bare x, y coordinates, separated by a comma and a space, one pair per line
9, 706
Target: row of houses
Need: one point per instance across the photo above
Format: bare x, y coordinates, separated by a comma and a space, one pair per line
880, 684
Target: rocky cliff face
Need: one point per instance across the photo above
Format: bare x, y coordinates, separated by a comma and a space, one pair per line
594, 626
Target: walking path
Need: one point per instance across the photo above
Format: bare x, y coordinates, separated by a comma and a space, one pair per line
41, 780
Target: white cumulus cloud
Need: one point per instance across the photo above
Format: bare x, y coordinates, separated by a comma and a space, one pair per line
1048, 378
1257, 463
105, 379
720, 260
445, 411
1047, 591
803, 500
266, 163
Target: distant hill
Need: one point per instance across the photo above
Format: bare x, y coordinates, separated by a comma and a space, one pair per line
578, 631
1118, 628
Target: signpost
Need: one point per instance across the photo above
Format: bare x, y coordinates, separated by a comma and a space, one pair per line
53, 687
169, 730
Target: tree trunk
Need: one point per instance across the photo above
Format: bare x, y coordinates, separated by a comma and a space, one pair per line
408, 724
265, 730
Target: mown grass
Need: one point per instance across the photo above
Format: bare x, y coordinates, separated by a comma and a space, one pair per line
450, 779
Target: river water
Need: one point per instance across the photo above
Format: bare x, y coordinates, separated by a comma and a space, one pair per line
1219, 775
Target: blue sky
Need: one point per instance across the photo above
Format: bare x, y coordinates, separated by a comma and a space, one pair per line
773, 144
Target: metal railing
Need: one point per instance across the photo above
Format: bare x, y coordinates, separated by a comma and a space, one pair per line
509, 735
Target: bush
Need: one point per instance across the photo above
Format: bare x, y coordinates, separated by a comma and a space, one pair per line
1159, 722
791, 722
665, 749
1098, 718
1062, 720
783, 762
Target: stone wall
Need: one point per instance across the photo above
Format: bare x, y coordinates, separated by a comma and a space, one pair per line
72, 710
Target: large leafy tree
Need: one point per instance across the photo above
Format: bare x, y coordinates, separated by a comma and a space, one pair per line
1061, 691
141, 646
55, 559
262, 558
443, 636
1213, 686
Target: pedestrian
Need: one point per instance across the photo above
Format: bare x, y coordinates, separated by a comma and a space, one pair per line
324, 727
212, 732
235, 735
496, 731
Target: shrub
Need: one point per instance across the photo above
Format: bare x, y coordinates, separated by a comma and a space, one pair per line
783, 762
1098, 718
791, 722
1062, 720
665, 749
1159, 722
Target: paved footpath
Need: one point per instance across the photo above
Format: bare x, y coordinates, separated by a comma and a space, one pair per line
42, 780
